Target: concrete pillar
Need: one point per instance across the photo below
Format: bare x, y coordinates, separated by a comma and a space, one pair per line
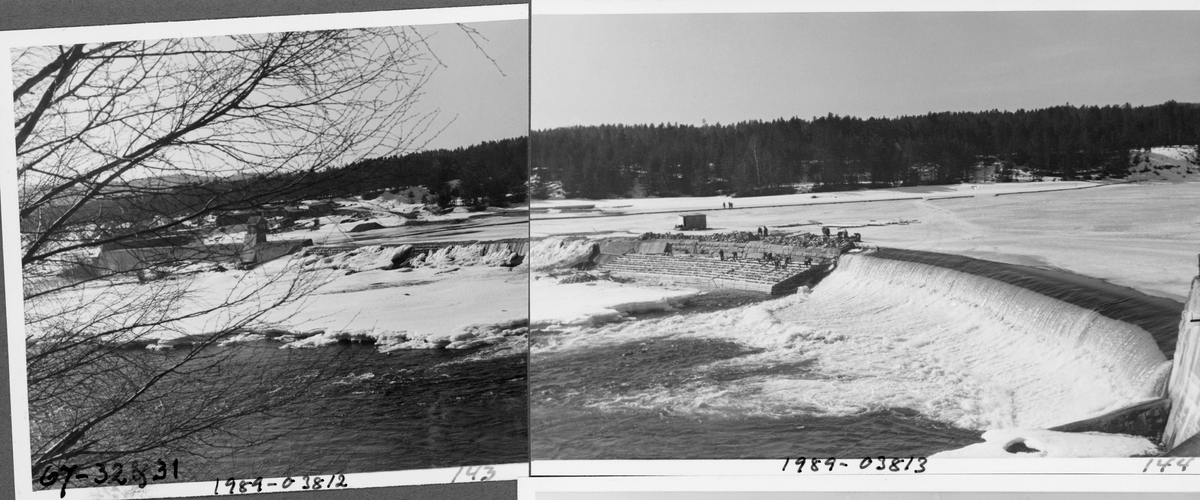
1184, 389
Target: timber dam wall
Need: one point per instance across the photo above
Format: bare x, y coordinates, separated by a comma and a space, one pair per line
724, 264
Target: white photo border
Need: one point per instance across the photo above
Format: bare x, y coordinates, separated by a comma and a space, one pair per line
586, 7
847, 486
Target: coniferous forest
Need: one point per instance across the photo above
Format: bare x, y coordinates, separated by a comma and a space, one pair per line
484, 174
842, 152
491, 173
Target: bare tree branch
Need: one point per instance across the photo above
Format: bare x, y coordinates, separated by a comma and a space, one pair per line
474, 35
127, 142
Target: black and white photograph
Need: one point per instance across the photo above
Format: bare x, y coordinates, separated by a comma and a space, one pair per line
893, 238
577, 249
271, 257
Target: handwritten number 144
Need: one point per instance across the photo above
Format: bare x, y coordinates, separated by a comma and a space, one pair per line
1182, 463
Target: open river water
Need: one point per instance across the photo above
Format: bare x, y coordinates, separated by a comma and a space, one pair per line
412, 409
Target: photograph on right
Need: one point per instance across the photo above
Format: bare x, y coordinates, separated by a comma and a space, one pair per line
900, 234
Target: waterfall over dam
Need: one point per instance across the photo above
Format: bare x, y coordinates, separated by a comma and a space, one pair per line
1157, 315
1035, 361
884, 338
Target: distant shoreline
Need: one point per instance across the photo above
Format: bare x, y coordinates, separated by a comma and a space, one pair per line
537, 208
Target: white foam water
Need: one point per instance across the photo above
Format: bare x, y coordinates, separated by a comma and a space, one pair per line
878, 333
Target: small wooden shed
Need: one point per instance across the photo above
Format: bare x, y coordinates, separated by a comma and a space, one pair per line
693, 221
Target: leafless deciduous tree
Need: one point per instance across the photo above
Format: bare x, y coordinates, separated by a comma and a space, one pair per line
126, 142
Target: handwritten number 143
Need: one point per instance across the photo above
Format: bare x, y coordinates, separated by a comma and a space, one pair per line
476, 473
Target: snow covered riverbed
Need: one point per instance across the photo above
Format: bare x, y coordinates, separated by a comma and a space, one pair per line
437, 304
597, 301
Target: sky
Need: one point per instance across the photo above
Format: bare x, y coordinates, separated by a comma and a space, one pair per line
484, 104
724, 68
479, 92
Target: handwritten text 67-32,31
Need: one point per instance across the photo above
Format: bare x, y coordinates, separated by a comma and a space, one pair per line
110, 473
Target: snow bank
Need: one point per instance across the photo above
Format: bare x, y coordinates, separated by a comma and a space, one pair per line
378, 257
1051, 444
464, 255
597, 302
226, 236
330, 338
464, 337
425, 307
241, 338
361, 259
1178, 153
387, 202
336, 228
559, 253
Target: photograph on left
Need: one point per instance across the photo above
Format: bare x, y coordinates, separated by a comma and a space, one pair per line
272, 258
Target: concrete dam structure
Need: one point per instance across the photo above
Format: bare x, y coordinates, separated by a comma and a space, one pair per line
1183, 424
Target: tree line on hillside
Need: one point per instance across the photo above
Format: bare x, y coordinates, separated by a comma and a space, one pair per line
844, 152
492, 173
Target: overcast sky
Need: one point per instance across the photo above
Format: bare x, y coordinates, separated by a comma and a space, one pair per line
488, 105
685, 68
480, 92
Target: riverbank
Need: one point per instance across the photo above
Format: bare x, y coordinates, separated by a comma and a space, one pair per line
1144, 236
